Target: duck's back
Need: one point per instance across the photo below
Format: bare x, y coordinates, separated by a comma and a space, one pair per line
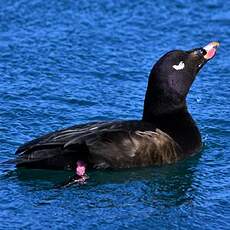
120, 144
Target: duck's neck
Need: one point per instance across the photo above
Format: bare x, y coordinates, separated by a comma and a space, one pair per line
178, 124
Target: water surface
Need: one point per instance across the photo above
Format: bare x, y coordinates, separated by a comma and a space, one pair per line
68, 62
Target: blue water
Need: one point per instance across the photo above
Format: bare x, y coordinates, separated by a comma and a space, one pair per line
67, 62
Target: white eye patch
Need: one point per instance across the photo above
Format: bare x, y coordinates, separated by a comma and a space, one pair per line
179, 66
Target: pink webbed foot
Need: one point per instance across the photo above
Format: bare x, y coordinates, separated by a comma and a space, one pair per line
81, 176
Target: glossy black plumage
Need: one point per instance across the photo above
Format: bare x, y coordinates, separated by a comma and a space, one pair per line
165, 134
113, 144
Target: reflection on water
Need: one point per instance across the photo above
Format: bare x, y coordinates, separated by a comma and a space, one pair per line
167, 186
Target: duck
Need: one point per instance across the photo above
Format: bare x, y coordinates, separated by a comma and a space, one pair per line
166, 133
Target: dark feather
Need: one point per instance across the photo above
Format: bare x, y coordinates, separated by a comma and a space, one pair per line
102, 145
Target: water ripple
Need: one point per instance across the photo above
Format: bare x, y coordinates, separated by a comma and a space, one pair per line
68, 62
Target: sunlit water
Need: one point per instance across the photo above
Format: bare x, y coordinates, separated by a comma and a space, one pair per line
68, 62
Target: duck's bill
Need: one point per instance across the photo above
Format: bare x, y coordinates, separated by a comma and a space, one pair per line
211, 50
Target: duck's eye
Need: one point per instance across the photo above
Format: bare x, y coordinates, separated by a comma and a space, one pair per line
203, 51
179, 66
200, 52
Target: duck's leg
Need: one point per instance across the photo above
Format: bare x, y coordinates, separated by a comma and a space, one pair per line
79, 178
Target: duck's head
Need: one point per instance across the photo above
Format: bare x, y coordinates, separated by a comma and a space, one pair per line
172, 76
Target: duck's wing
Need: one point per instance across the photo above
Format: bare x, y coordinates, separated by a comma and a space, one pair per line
102, 145
61, 149
132, 148
59, 138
